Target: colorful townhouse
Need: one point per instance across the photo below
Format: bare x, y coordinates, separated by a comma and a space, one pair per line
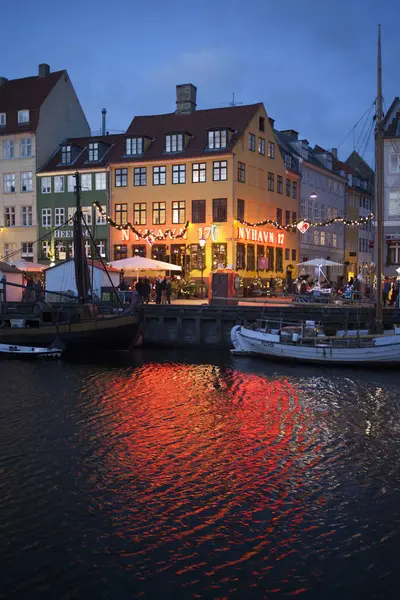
36, 114
196, 177
56, 198
391, 210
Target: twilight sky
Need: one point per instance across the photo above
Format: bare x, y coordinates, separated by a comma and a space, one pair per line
312, 63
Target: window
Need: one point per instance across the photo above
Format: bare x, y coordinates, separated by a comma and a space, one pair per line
46, 217
86, 182
101, 246
159, 175
27, 250
121, 214
287, 217
121, 177
198, 211
217, 139
23, 116
159, 213
271, 182
271, 150
334, 240
261, 123
220, 170
100, 181
59, 183
140, 176
9, 183
294, 255
294, 190
261, 146
25, 147
87, 214
174, 142
287, 253
219, 256
394, 204
26, 216
26, 184
251, 257
159, 252
279, 184
179, 174
71, 183
288, 161
197, 257
240, 210
45, 185
322, 238
270, 258
134, 146
66, 155
240, 257
139, 213
9, 216
288, 188
199, 172
178, 212
394, 165
252, 142
139, 250
3, 119
279, 216
101, 218
279, 259
120, 251
8, 149
220, 209
45, 249
59, 216
241, 172
294, 217
93, 152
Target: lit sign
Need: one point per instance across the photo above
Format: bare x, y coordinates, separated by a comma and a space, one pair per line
125, 234
209, 232
67, 233
303, 226
257, 235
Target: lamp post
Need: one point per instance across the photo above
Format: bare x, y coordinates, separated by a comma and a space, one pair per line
202, 243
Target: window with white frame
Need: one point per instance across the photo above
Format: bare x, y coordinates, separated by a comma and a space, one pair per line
101, 217
140, 213
100, 181
46, 249
87, 214
9, 216
27, 250
199, 172
59, 184
23, 116
9, 249
45, 185
394, 252
394, 204
159, 175
66, 155
217, 139
8, 149
86, 182
26, 182
59, 216
26, 216
140, 176
178, 212
134, 146
9, 183
71, 213
394, 163
25, 147
71, 183
46, 217
93, 152
179, 174
302, 208
174, 142
220, 170
334, 240
322, 211
3, 119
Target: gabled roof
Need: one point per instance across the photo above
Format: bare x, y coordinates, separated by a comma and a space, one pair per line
286, 148
196, 125
27, 93
81, 146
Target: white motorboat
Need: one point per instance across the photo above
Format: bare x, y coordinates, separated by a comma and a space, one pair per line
13, 351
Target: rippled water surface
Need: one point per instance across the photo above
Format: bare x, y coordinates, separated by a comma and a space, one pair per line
184, 476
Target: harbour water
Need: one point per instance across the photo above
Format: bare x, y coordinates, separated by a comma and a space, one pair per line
190, 475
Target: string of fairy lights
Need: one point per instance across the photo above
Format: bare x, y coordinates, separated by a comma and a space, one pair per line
289, 226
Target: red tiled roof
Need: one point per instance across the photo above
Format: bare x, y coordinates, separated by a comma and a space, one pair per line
27, 93
81, 161
195, 124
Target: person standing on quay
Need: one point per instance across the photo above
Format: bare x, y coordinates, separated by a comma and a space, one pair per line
146, 290
164, 291
168, 290
386, 290
158, 290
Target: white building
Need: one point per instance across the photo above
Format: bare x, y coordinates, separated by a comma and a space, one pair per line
36, 115
391, 211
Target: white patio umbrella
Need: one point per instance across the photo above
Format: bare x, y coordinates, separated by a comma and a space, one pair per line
139, 263
319, 263
25, 265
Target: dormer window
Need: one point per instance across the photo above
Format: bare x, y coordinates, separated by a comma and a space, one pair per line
174, 142
3, 119
23, 116
66, 155
217, 139
134, 146
93, 152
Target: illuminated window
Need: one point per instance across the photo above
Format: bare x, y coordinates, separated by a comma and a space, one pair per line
199, 172
240, 256
271, 150
261, 146
251, 257
120, 251
121, 214
178, 212
159, 213
252, 142
140, 213
219, 256
159, 175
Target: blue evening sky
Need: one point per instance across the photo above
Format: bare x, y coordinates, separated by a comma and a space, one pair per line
312, 62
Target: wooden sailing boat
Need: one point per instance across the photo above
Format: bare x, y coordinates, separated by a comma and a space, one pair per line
304, 342
86, 330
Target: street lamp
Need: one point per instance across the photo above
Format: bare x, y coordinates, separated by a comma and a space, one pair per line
313, 195
202, 243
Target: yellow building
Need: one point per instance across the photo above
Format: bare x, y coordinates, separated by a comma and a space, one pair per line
209, 168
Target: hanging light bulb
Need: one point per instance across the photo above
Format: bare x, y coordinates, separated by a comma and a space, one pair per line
313, 195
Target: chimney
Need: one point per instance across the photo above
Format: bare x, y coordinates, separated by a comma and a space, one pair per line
3, 80
103, 121
334, 153
44, 70
291, 133
185, 98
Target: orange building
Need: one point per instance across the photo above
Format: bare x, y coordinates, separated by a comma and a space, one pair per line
209, 168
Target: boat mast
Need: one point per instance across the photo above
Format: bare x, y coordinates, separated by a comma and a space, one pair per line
81, 266
379, 191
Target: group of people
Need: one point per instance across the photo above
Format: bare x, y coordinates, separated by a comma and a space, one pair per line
390, 291
159, 289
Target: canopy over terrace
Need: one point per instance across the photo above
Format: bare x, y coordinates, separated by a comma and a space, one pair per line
139, 263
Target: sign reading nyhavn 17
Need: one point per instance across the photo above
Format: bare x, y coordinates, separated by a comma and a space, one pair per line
126, 233
258, 235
